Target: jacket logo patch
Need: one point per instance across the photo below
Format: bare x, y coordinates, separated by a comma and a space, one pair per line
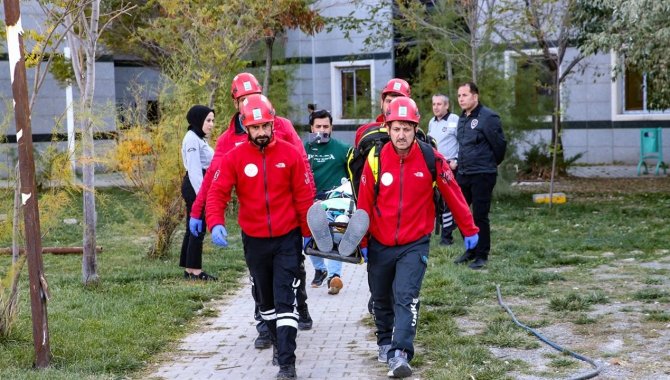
238, 143
387, 179
216, 175
251, 170
190, 150
363, 179
474, 123
447, 176
418, 174
281, 165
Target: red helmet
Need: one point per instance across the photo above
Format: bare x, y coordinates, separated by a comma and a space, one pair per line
244, 84
403, 108
256, 109
396, 86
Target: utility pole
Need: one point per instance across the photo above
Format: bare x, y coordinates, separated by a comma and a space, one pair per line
31, 216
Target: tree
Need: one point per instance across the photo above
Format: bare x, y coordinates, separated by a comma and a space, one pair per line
198, 46
83, 40
551, 26
638, 30
282, 15
460, 30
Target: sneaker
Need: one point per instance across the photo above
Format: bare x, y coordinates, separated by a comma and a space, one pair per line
356, 230
334, 285
203, 276
399, 365
304, 319
263, 340
187, 276
478, 264
319, 277
382, 357
317, 221
464, 258
286, 372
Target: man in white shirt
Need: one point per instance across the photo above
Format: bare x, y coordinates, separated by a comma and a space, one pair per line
442, 128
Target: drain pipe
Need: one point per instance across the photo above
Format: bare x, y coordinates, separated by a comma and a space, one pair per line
588, 375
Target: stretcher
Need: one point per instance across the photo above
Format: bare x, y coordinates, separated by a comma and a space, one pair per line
334, 221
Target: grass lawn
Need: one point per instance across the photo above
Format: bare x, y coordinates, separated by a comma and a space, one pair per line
140, 308
591, 275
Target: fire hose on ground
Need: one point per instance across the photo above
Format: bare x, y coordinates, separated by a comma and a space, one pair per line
588, 375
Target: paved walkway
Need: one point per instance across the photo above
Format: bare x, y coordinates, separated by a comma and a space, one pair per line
341, 343
611, 171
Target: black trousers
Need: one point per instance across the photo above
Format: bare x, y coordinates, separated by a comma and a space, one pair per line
274, 264
191, 246
395, 274
301, 297
478, 190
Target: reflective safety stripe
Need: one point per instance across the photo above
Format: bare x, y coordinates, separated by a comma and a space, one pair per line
288, 322
287, 315
269, 315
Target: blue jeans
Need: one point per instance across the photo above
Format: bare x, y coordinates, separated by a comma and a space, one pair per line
332, 266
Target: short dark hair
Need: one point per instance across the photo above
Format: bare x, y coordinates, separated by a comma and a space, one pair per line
473, 87
319, 115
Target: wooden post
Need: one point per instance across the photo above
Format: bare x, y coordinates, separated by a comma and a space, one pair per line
31, 216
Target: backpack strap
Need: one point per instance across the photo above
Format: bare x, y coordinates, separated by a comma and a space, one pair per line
429, 157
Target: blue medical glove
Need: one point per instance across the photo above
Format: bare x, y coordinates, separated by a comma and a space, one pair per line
364, 253
471, 241
220, 235
195, 226
305, 241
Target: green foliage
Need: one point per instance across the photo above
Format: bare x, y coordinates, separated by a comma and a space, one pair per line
9, 298
657, 316
140, 308
529, 244
639, 31
577, 301
652, 295
538, 160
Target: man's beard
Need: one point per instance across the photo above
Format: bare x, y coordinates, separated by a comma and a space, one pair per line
261, 141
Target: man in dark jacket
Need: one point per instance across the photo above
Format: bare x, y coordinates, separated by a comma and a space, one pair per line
482, 147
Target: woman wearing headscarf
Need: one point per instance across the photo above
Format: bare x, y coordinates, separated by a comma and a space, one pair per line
196, 155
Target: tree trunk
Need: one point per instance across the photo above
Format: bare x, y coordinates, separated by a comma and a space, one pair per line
85, 47
269, 43
555, 135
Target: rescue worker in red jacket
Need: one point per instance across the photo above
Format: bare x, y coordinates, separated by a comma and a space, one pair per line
394, 88
274, 193
243, 85
402, 216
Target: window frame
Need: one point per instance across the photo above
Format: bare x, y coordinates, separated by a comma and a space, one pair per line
336, 69
510, 59
618, 95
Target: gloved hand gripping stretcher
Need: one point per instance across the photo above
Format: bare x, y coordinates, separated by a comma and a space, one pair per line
337, 229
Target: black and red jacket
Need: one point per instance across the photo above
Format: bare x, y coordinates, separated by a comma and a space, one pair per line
273, 189
403, 211
234, 136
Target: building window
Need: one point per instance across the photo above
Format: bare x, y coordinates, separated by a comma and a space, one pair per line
533, 93
533, 90
352, 94
356, 93
636, 90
